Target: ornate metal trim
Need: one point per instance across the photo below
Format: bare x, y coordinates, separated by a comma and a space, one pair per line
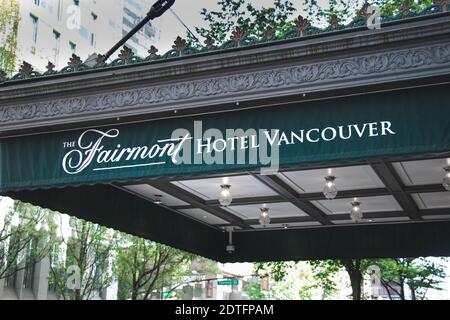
301, 29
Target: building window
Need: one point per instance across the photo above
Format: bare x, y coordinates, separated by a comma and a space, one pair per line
11, 259
56, 46
76, 2
59, 10
37, 2
54, 265
29, 265
92, 39
34, 22
73, 47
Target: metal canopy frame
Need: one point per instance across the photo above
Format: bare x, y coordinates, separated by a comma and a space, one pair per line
285, 193
134, 214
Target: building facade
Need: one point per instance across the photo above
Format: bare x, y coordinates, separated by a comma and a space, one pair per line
133, 12
32, 279
53, 30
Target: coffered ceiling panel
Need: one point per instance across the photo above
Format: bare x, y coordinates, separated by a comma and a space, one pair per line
347, 178
433, 200
150, 193
368, 204
372, 220
241, 187
204, 216
276, 210
286, 225
422, 172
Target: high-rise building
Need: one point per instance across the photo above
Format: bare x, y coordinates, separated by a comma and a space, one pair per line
52, 30
133, 12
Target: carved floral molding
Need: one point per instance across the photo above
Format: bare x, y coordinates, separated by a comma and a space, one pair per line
351, 68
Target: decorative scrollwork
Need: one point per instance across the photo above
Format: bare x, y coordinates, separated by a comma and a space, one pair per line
334, 21
269, 33
25, 70
153, 51
180, 45
126, 54
300, 25
238, 35
75, 62
352, 68
2, 76
444, 4
50, 67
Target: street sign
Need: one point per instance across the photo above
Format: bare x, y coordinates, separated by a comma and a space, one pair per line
228, 282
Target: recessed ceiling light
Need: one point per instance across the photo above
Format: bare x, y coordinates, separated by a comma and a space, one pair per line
158, 199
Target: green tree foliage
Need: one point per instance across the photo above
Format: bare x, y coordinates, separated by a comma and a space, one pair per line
144, 266
88, 249
281, 287
319, 14
419, 275
9, 24
255, 20
247, 16
277, 270
324, 273
253, 291
325, 270
391, 7
23, 239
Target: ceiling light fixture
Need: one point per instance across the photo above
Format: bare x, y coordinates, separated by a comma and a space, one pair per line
225, 197
330, 191
264, 217
356, 213
230, 247
446, 181
158, 199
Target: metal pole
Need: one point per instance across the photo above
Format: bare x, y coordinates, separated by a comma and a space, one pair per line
156, 11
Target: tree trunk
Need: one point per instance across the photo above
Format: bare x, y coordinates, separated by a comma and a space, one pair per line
402, 290
134, 292
354, 272
355, 279
413, 294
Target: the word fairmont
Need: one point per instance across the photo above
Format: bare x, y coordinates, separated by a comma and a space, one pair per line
213, 146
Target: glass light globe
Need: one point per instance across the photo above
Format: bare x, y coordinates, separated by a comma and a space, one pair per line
225, 197
330, 191
264, 217
446, 181
356, 213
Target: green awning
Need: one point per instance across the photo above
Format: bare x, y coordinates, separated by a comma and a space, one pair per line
73, 171
398, 123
